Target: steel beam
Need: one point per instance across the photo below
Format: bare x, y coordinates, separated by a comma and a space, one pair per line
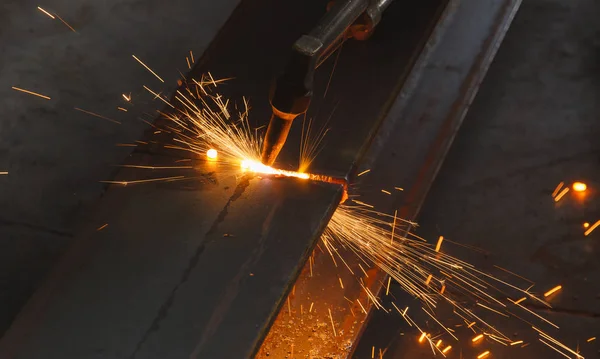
200, 268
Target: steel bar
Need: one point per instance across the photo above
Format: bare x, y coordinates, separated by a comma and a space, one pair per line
407, 153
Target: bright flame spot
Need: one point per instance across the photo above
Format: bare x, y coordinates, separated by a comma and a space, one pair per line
212, 154
579, 187
257, 167
586, 225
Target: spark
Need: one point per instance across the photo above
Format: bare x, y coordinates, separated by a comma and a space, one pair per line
591, 229
31, 92
332, 325
439, 342
46, 12
102, 227
127, 97
447, 349
3, 172
557, 189
561, 194
65, 23
477, 338
439, 243
311, 307
520, 300
162, 179
386, 192
422, 337
579, 187
485, 354
147, 68
399, 188
586, 224
97, 115
212, 154
363, 173
517, 342
591, 339
192, 56
553, 290
122, 109
387, 289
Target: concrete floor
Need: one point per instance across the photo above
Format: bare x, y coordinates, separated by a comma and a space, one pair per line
533, 124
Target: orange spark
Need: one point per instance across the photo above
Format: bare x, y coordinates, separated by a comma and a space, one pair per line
447, 349
439, 342
439, 243
31, 93
363, 173
561, 194
126, 97
591, 229
586, 224
520, 300
579, 187
4, 173
422, 337
147, 68
96, 115
477, 338
122, 109
64, 22
46, 12
102, 227
557, 189
485, 354
386, 192
332, 325
591, 339
428, 279
553, 290
517, 342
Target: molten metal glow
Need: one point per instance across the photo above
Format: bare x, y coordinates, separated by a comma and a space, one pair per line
258, 167
212, 154
579, 187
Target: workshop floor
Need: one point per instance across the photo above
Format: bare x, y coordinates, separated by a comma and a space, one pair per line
534, 123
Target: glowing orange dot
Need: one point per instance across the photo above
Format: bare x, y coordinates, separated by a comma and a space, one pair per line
212, 154
586, 225
579, 187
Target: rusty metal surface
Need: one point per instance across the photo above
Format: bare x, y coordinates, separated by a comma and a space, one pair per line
407, 152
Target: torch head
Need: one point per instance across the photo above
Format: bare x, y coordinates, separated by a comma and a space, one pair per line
290, 97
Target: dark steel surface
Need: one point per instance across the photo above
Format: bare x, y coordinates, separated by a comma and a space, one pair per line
177, 269
407, 153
